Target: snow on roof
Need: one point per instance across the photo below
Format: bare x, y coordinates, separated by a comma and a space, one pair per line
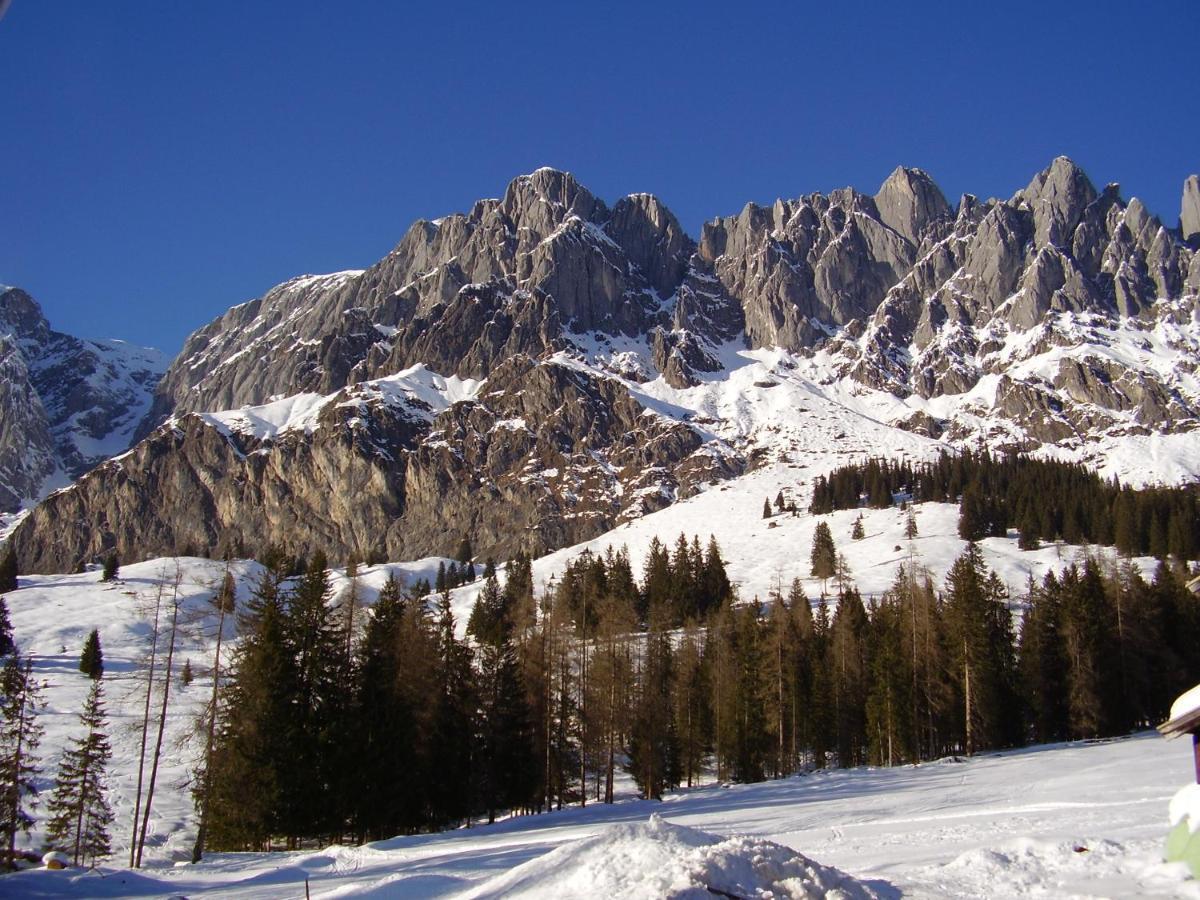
1188, 702
658, 859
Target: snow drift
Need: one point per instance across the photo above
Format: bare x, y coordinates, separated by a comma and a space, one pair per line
658, 859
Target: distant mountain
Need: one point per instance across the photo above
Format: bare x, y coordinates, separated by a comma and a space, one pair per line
618, 365
66, 403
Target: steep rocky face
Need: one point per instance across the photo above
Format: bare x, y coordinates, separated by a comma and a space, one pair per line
543, 455
1060, 264
1189, 209
65, 403
27, 453
1063, 315
549, 237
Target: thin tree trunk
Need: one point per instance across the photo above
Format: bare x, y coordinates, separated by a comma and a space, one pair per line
206, 788
137, 804
162, 719
15, 788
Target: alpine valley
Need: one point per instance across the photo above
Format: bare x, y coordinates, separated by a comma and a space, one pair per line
546, 367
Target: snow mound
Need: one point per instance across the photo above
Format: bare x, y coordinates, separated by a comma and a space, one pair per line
1185, 805
658, 859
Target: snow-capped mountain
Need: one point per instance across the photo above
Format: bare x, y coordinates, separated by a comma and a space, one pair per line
66, 403
616, 366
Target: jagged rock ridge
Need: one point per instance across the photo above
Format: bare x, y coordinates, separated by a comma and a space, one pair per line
1063, 315
66, 404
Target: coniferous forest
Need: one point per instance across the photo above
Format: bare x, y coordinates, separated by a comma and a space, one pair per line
337, 722
1045, 500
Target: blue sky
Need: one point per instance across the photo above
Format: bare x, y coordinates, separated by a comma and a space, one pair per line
162, 161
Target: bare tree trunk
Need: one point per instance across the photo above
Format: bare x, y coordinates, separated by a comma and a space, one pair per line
137, 804
206, 788
162, 716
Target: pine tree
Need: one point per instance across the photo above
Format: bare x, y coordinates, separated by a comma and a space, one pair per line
91, 660
653, 745
857, 533
20, 734
508, 762
824, 553
8, 570
910, 525
79, 812
255, 729
451, 738
112, 567
7, 645
185, 674
766, 509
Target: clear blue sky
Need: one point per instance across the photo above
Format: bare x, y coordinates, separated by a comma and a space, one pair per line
161, 161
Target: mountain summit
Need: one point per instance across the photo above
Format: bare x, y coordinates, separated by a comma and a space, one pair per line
546, 365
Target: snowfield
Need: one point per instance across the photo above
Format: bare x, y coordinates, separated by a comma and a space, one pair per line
1076, 820
1079, 820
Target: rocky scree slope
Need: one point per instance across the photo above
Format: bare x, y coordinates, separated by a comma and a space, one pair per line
1062, 316
66, 404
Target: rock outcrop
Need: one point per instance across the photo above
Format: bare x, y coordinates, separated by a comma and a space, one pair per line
1061, 315
547, 455
66, 404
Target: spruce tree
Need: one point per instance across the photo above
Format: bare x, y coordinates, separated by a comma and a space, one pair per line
185, 674
653, 744
20, 734
824, 553
91, 660
79, 812
910, 525
112, 567
7, 645
256, 727
8, 570
508, 762
857, 533
766, 514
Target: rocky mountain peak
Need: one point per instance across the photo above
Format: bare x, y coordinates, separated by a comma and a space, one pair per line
1058, 196
908, 201
543, 199
1189, 210
21, 317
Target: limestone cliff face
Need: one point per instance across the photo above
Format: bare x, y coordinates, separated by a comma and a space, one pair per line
65, 403
1063, 315
546, 455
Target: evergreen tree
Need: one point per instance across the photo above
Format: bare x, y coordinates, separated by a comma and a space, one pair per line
451, 738
848, 665
79, 812
7, 645
766, 509
256, 727
981, 643
779, 502
857, 533
910, 525
8, 570
112, 567
20, 734
91, 660
185, 674
824, 553
693, 715
1042, 662
653, 743
508, 762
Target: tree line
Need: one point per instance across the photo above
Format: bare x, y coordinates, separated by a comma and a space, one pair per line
1045, 500
338, 723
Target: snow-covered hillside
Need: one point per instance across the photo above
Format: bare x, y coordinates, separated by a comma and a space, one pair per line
1080, 820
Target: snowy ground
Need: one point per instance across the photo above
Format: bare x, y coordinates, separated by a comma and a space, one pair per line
1081, 820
